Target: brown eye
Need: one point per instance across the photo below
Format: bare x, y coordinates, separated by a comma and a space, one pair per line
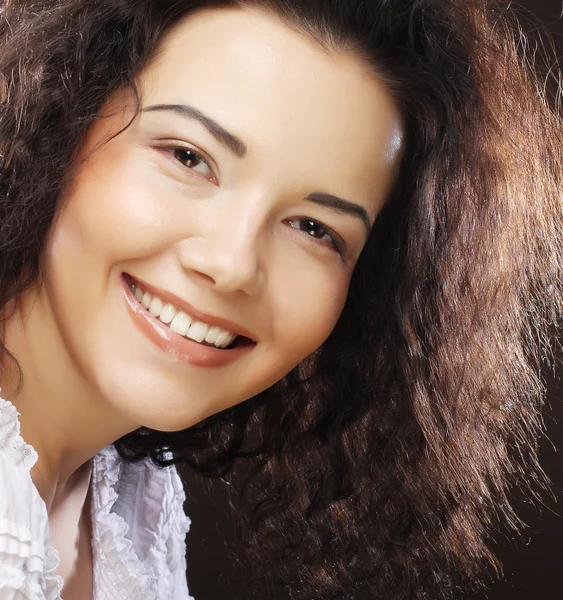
194, 161
315, 230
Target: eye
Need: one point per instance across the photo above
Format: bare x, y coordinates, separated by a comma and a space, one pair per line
320, 232
193, 160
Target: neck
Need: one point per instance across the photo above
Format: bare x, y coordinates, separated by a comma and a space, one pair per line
62, 416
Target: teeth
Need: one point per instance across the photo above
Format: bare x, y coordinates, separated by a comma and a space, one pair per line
146, 301
228, 341
168, 313
223, 337
155, 307
182, 323
212, 335
197, 331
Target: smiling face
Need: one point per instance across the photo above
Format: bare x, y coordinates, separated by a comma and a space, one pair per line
241, 194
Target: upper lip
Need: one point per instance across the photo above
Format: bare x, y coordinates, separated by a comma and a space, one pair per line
192, 311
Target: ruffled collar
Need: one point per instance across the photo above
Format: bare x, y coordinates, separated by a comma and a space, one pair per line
142, 557
24, 457
138, 522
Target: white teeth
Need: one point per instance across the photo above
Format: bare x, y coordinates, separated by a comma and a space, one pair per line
155, 307
197, 331
212, 335
168, 313
228, 341
181, 323
219, 337
223, 337
146, 301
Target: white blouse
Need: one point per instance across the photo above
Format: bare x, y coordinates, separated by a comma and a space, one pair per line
138, 526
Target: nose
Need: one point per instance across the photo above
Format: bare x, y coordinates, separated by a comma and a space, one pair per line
226, 255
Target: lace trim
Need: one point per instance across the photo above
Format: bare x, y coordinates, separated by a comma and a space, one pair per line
25, 457
114, 549
116, 562
18, 450
153, 577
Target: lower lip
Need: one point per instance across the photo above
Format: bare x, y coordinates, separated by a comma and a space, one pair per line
172, 343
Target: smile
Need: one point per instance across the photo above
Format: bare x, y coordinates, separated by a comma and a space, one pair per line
179, 333
182, 323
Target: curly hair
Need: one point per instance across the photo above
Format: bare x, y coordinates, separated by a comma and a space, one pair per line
382, 462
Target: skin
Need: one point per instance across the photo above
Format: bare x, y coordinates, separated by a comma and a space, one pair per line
228, 237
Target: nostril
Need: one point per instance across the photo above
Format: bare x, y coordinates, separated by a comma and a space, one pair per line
205, 277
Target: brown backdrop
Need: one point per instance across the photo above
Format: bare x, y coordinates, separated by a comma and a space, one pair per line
533, 563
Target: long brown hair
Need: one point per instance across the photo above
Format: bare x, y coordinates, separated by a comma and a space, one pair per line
382, 461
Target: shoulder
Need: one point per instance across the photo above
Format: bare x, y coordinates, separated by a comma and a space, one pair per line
27, 562
20, 502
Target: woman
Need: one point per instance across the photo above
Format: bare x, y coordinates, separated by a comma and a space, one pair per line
322, 235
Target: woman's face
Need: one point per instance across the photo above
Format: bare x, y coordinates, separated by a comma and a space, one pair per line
241, 195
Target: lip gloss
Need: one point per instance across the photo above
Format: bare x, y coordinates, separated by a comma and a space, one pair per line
174, 344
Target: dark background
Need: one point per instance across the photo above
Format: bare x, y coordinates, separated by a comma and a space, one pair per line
533, 562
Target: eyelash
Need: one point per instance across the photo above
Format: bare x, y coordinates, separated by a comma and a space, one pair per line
336, 241
198, 155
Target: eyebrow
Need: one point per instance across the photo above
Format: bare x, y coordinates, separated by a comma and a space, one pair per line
342, 206
239, 148
231, 141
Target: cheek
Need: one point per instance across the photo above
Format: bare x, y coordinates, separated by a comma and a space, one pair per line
115, 211
308, 309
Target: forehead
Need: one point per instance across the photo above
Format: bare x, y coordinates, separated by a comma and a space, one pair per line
289, 99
